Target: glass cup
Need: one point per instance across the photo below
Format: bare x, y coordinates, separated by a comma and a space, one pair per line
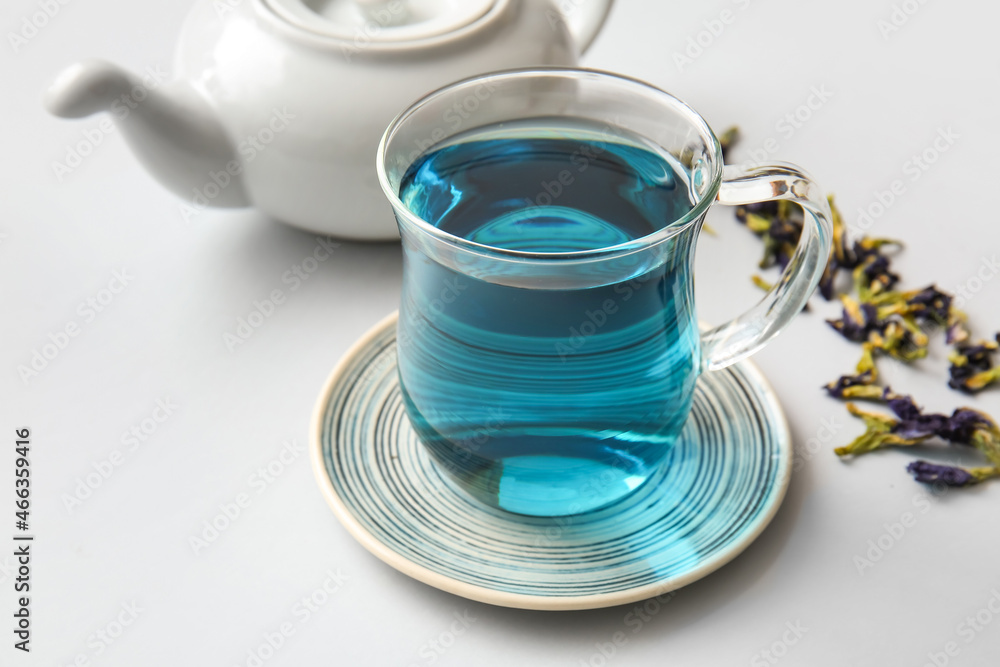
548, 343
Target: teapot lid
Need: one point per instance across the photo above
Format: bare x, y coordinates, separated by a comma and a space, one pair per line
380, 21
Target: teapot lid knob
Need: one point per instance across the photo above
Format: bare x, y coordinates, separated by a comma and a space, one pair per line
381, 21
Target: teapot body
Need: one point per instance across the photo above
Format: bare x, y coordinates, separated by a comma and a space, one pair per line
304, 112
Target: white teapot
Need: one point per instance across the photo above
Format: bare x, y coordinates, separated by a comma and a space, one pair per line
280, 104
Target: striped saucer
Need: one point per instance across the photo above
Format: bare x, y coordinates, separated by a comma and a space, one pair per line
721, 486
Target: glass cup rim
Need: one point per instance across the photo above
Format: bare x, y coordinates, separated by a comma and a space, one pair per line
452, 240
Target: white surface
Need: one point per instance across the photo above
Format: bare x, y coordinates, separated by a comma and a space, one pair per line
163, 337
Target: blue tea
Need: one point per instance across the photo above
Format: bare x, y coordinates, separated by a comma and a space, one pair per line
548, 398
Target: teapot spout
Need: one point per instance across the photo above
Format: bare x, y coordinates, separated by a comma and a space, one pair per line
173, 131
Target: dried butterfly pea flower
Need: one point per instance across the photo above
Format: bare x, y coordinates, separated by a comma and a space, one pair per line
932, 473
765, 209
779, 236
757, 223
899, 337
855, 386
761, 283
842, 249
959, 428
929, 304
957, 331
971, 366
902, 339
841, 253
912, 426
778, 225
862, 383
873, 276
905, 341
871, 271
987, 441
728, 139
878, 434
894, 323
857, 320
864, 258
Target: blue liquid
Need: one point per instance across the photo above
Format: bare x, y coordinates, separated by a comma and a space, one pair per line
548, 401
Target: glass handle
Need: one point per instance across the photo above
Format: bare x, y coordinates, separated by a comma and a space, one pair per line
728, 343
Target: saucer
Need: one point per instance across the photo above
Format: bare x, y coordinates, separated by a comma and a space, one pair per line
721, 485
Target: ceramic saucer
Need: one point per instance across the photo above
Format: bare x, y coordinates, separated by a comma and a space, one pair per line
722, 484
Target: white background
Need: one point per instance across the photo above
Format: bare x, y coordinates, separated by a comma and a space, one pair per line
162, 337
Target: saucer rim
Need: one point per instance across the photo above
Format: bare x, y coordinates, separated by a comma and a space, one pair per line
521, 600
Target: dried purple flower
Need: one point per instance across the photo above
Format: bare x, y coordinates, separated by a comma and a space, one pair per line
779, 226
767, 209
911, 426
862, 383
912, 422
728, 139
763, 284
854, 386
900, 338
971, 366
876, 270
878, 434
956, 333
841, 254
959, 428
857, 320
931, 473
930, 304
826, 281
964, 424
888, 322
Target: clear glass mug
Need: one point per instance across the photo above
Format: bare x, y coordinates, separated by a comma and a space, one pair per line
550, 375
